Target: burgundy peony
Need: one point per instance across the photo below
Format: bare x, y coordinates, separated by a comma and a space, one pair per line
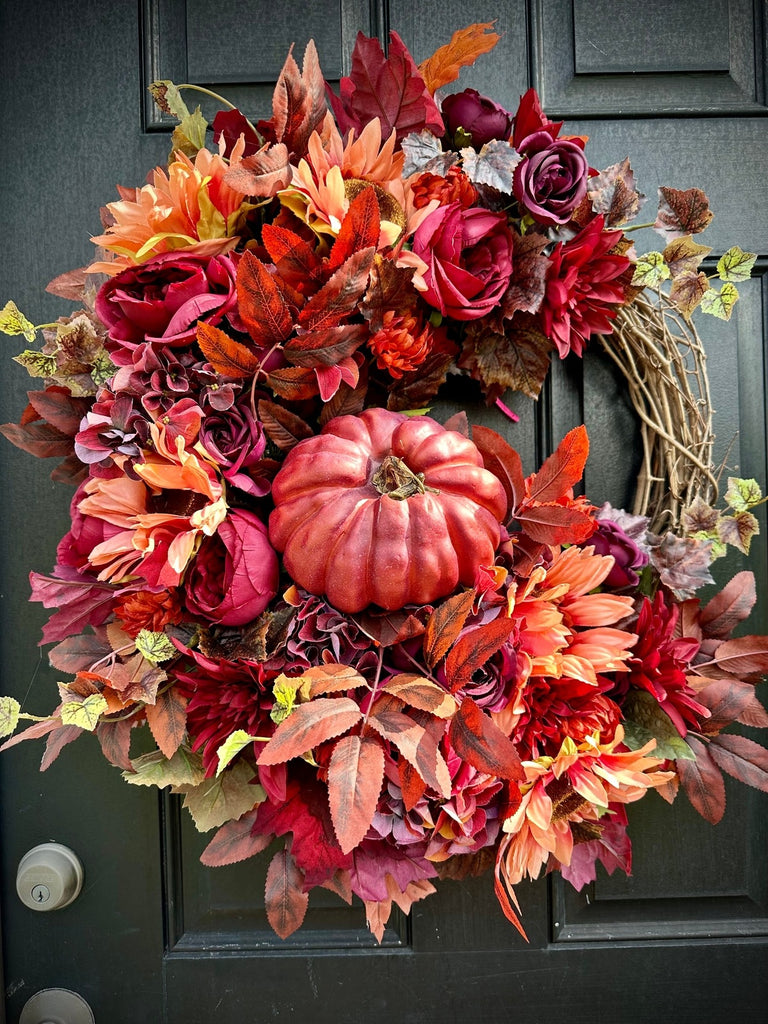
551, 179
610, 539
236, 441
477, 116
161, 300
469, 260
234, 575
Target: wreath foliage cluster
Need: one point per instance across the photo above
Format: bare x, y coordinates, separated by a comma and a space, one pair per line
370, 638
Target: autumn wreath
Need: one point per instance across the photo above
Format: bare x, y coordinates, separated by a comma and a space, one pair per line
371, 636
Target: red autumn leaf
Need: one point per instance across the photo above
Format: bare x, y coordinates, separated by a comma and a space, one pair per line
325, 347
744, 759
57, 740
682, 212
388, 88
293, 383
444, 625
235, 841
754, 714
466, 45
227, 356
421, 693
458, 422
412, 785
77, 653
505, 894
284, 898
261, 303
359, 229
501, 459
556, 524
167, 719
478, 740
563, 469
330, 378
415, 744
295, 259
283, 427
58, 407
527, 284
355, 775
332, 678
339, 297
732, 605
232, 124
341, 884
389, 628
745, 657
473, 649
702, 781
115, 740
39, 439
261, 174
298, 102
309, 725
726, 699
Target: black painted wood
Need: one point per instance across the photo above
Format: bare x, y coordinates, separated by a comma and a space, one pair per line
156, 937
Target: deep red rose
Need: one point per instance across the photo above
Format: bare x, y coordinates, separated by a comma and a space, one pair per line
161, 301
235, 439
234, 575
610, 539
551, 179
583, 293
477, 115
469, 260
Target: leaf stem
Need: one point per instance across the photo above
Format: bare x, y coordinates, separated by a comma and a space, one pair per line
375, 687
220, 99
638, 227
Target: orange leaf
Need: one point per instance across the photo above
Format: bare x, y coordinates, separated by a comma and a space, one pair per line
444, 625
501, 459
411, 784
466, 45
556, 524
284, 899
167, 719
477, 739
332, 678
235, 841
355, 775
415, 744
421, 693
359, 229
294, 383
309, 725
473, 649
261, 303
563, 468
227, 356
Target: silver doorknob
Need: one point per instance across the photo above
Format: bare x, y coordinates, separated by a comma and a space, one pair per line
56, 1006
49, 877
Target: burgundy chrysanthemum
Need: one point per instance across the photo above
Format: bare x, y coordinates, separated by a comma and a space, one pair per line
583, 293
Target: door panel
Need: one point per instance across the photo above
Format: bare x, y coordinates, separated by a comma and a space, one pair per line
155, 936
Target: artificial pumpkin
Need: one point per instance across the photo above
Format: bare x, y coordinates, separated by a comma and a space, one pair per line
385, 509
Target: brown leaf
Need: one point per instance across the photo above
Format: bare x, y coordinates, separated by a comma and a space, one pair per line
518, 359
414, 743
235, 841
283, 427
743, 759
501, 459
527, 284
293, 383
261, 174
39, 439
115, 740
478, 740
726, 699
332, 678
699, 516
466, 45
348, 400
732, 605
472, 650
682, 563
261, 303
167, 719
745, 657
682, 212
683, 255
339, 297
688, 290
389, 287
754, 714
227, 356
57, 740
702, 782
419, 387
389, 628
738, 530
355, 776
284, 899
298, 102
612, 193
325, 347
421, 693
444, 625
309, 725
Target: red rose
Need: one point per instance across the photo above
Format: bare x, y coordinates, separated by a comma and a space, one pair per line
469, 260
234, 575
235, 439
477, 116
161, 301
551, 179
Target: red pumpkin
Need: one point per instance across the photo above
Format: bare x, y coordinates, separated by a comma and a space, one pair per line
385, 509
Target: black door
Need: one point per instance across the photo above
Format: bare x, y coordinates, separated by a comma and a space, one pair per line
154, 936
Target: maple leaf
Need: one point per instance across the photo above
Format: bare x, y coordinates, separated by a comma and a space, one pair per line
494, 165
682, 212
262, 174
681, 562
613, 194
683, 255
518, 359
424, 152
527, 284
235, 842
284, 898
465, 46
355, 777
388, 88
738, 530
687, 291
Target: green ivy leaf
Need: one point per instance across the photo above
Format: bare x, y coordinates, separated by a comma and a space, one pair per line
13, 321
37, 364
189, 135
9, 715
232, 746
155, 647
645, 720
183, 771
736, 265
720, 304
84, 714
743, 494
223, 798
650, 270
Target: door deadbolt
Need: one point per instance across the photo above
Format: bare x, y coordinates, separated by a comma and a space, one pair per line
56, 1006
49, 877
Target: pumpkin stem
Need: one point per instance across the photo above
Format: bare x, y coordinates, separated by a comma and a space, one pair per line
395, 479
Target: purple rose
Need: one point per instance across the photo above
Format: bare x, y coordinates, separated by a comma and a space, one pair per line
551, 179
236, 441
477, 116
161, 300
234, 575
610, 539
469, 260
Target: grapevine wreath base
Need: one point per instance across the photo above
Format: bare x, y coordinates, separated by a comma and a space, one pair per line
372, 636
